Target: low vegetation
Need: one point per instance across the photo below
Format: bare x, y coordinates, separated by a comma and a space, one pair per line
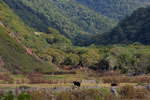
126, 92
129, 92
56, 51
127, 79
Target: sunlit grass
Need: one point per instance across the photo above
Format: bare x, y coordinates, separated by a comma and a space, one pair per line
62, 85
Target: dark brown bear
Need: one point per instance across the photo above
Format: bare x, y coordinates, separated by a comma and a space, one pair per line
76, 83
114, 84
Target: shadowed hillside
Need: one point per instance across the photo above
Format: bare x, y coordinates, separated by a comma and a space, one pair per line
135, 28
115, 9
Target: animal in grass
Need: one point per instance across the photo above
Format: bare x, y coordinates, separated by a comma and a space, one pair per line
148, 87
114, 91
76, 83
114, 84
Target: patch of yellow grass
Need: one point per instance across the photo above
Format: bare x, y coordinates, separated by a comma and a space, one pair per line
61, 85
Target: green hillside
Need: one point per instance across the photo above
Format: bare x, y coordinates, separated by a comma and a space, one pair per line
135, 28
15, 57
115, 9
48, 47
69, 17
13, 52
78, 20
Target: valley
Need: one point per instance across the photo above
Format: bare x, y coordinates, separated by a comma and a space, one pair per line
74, 50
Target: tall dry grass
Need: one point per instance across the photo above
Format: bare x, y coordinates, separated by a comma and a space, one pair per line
127, 79
6, 77
88, 94
130, 93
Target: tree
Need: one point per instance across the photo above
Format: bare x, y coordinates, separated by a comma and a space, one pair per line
52, 31
90, 58
52, 55
72, 59
50, 39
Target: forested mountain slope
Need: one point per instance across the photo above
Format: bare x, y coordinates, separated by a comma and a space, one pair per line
71, 18
135, 28
115, 9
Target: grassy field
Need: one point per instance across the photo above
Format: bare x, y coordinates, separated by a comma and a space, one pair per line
101, 85
65, 80
125, 92
60, 87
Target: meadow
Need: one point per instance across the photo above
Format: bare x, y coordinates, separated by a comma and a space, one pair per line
37, 86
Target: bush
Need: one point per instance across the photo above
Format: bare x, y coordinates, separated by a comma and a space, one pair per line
72, 59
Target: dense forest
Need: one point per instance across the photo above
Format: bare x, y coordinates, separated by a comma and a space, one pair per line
76, 19
62, 15
115, 9
135, 28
